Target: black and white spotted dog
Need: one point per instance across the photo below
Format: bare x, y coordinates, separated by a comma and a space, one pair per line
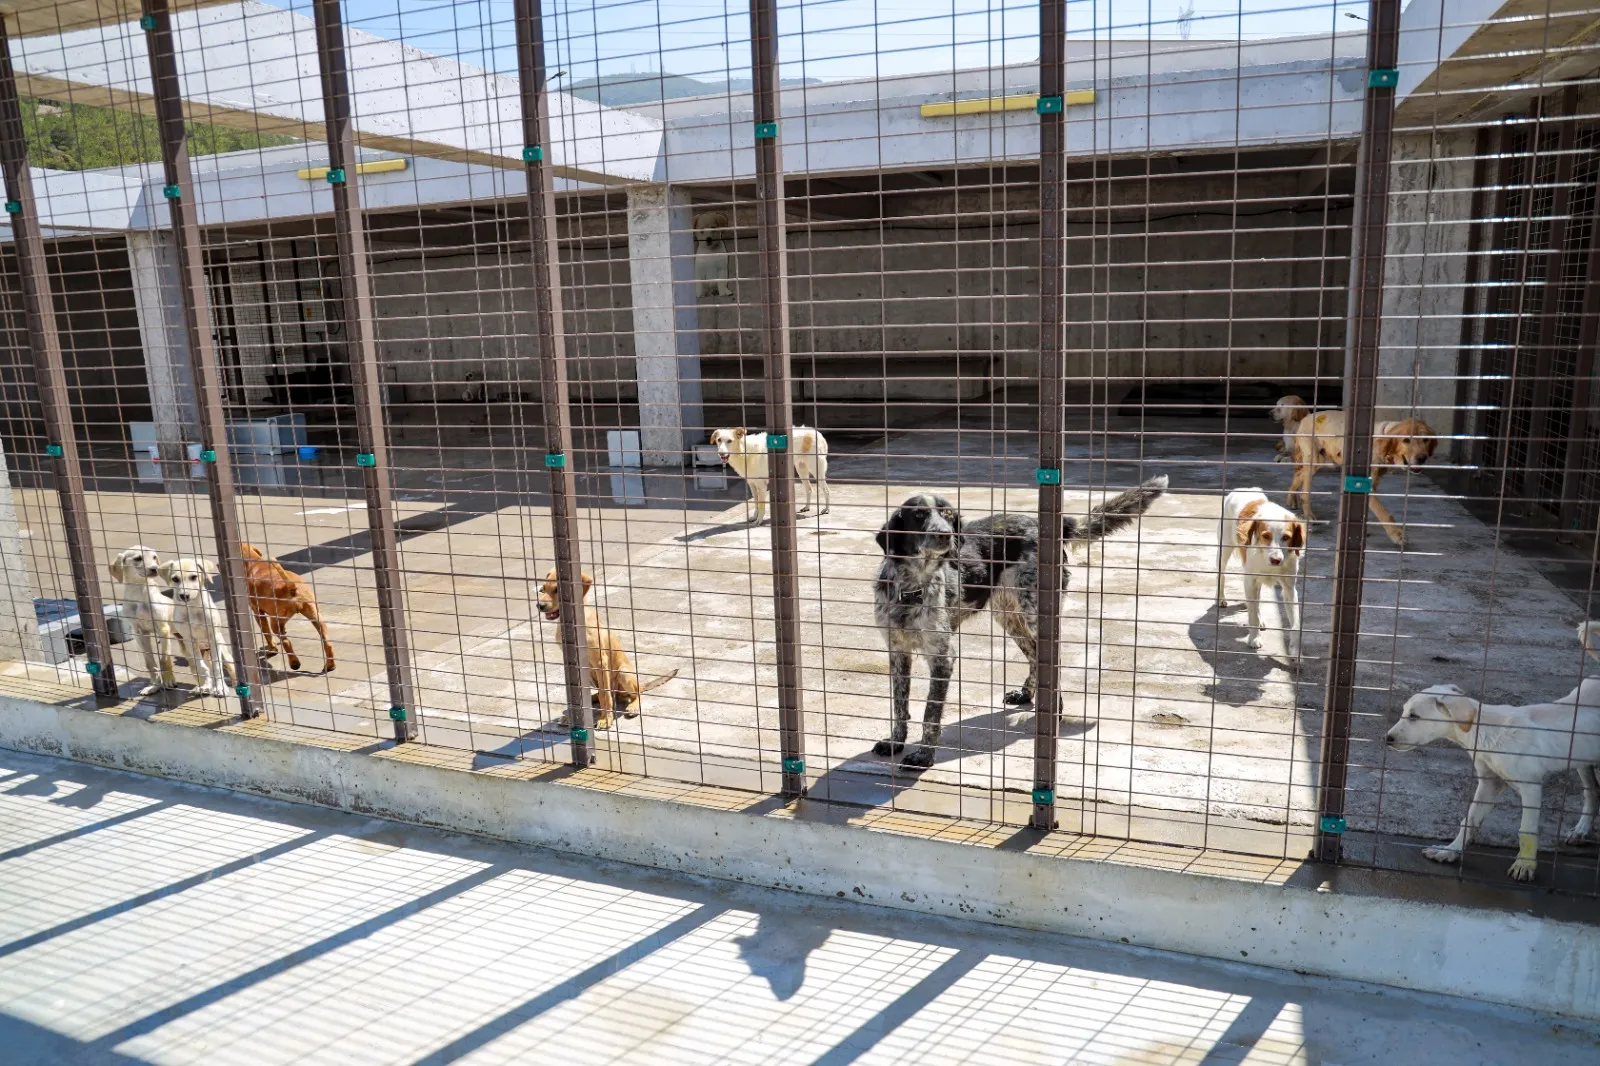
938, 571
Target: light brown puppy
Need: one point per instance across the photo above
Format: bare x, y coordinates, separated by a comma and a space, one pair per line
276, 596
1319, 442
616, 687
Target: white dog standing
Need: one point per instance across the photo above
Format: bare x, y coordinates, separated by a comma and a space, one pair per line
1270, 540
1516, 746
148, 606
746, 452
201, 623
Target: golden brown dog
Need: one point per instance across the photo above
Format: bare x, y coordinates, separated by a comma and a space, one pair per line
1319, 442
276, 596
615, 686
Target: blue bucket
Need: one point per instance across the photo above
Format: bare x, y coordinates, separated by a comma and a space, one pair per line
307, 453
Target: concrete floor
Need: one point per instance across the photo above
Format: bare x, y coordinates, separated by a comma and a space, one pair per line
1176, 730
148, 922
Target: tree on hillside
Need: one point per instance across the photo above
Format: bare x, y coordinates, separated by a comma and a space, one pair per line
65, 136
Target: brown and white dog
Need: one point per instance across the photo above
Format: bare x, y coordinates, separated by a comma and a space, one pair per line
616, 688
1402, 445
746, 452
1288, 412
1270, 541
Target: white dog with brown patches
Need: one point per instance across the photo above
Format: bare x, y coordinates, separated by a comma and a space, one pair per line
200, 622
1270, 540
1516, 746
746, 452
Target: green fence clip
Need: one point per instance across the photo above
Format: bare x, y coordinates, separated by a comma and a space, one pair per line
147, 22
555, 461
366, 459
397, 714
1329, 824
777, 442
242, 691
336, 176
92, 669
171, 192
1356, 484
208, 456
1047, 475
794, 766
13, 207
54, 451
580, 735
1383, 78
533, 154
1044, 797
1049, 105
766, 131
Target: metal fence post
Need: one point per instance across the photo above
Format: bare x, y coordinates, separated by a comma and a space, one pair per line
187, 241
355, 284
51, 375
553, 390
1052, 337
770, 217
1364, 325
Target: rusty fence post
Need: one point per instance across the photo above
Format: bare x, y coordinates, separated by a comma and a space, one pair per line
183, 209
773, 250
355, 286
1052, 338
1364, 325
62, 446
551, 334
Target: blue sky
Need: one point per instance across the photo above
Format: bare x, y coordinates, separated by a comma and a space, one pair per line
826, 39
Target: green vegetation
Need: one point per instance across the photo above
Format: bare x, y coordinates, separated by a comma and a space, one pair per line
63, 136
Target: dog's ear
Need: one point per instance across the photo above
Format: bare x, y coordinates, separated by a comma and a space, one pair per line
883, 539
1432, 445
1245, 532
1297, 536
209, 568
740, 433
1463, 710
119, 569
951, 515
588, 583
167, 569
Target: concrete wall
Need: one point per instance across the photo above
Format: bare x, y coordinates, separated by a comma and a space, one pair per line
1497, 955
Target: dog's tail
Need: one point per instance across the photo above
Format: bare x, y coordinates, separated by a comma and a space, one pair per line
657, 681
1587, 632
1117, 513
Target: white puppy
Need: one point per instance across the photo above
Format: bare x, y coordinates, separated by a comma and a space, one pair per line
148, 606
201, 623
1269, 540
1288, 412
746, 452
1516, 746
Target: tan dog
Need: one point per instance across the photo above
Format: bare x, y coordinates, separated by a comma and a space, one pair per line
746, 452
147, 606
1288, 412
200, 623
615, 686
276, 596
1319, 442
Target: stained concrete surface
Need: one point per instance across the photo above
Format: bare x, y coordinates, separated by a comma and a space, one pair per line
1175, 730
145, 921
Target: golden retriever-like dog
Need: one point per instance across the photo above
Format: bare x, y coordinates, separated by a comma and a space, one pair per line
1402, 445
276, 595
615, 685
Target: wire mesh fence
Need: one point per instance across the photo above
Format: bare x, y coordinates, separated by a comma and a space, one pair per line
696, 391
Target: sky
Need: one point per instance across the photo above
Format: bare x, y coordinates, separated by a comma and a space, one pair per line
820, 39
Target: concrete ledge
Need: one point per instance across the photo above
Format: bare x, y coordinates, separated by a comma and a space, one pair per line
1488, 954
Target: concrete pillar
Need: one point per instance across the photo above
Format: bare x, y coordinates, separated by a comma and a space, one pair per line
19, 626
666, 323
1424, 279
159, 303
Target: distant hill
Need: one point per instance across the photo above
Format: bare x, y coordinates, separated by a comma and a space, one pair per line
620, 90
65, 136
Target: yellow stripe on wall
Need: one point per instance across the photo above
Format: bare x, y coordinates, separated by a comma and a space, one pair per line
990, 104
377, 166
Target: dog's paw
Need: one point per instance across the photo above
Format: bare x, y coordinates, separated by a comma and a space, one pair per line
1254, 641
604, 721
918, 758
151, 688
294, 663
1579, 834
887, 748
1222, 604
1523, 869
1445, 855
1018, 697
